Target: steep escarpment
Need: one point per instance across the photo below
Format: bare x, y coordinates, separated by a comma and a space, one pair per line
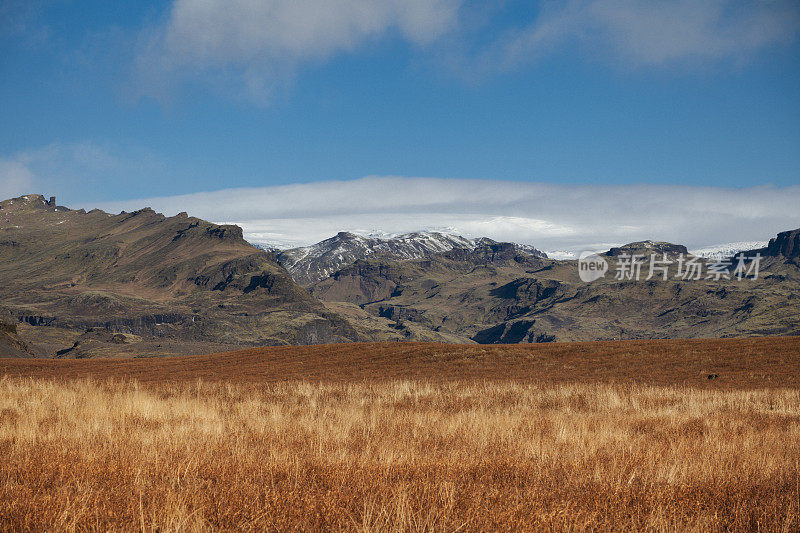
785, 245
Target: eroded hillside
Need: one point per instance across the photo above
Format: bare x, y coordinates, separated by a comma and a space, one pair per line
172, 283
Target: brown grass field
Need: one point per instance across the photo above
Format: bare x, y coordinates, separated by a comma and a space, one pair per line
409, 437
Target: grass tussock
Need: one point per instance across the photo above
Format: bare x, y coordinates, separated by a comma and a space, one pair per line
397, 455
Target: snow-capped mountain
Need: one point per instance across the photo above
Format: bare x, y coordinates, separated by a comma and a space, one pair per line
562, 255
721, 251
313, 263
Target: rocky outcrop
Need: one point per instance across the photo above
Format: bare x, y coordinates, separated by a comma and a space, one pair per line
527, 290
182, 281
362, 282
506, 251
785, 244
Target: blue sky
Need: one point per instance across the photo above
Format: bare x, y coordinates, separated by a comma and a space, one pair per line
108, 102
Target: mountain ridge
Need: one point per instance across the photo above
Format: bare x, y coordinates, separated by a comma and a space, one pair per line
310, 264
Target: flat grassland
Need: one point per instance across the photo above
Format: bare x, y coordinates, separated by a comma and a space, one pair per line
593, 436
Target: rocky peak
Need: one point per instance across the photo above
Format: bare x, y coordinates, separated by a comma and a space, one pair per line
648, 247
27, 202
229, 232
310, 264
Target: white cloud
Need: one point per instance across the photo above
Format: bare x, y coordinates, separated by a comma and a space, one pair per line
43, 170
256, 46
646, 32
655, 32
16, 178
262, 42
86, 169
555, 217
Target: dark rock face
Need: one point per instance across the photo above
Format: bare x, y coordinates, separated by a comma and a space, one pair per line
505, 251
520, 331
275, 285
489, 251
366, 281
528, 290
399, 313
226, 232
648, 247
786, 244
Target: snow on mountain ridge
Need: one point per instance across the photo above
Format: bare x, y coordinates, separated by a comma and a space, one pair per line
561, 255
721, 251
312, 263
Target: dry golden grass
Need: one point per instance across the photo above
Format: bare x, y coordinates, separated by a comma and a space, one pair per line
82, 454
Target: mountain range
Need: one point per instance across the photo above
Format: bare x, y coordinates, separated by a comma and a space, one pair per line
83, 284
510, 299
